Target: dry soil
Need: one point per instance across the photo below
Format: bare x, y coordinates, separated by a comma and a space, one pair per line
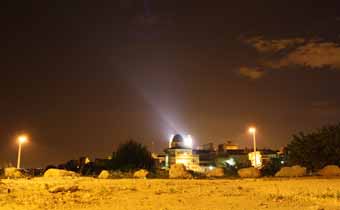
156, 194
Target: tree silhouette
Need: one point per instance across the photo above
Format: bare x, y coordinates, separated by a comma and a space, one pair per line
133, 155
317, 149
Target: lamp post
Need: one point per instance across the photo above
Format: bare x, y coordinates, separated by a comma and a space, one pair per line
252, 130
21, 140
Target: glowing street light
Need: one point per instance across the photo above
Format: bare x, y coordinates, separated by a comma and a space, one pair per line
252, 130
21, 140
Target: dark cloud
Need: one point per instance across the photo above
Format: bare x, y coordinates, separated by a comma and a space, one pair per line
297, 51
314, 55
251, 73
272, 46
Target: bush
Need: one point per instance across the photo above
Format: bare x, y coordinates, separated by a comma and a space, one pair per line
230, 171
133, 156
272, 167
89, 169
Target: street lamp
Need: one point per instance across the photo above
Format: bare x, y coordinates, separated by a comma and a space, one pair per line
252, 130
21, 140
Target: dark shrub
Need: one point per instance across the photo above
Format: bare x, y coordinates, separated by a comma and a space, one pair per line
132, 156
272, 167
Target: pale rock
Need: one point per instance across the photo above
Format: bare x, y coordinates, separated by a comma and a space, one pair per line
216, 172
141, 174
104, 174
294, 171
13, 173
53, 172
178, 171
249, 172
330, 170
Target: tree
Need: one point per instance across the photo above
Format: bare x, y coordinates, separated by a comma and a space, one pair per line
72, 165
317, 149
133, 155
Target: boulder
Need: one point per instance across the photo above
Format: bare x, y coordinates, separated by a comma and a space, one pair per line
249, 172
13, 173
178, 171
141, 174
104, 174
330, 170
216, 172
294, 171
53, 172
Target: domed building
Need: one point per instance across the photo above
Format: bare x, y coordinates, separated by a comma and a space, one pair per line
177, 141
180, 152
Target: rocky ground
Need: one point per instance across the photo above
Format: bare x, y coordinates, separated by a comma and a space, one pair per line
153, 194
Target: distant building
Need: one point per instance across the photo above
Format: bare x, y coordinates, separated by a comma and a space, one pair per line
206, 157
207, 147
206, 154
255, 159
234, 157
268, 154
227, 146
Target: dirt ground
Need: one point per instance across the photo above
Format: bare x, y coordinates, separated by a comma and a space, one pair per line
156, 194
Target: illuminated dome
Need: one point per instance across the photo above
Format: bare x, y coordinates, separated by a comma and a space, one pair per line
178, 142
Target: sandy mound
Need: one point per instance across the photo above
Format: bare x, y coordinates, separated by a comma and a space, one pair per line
104, 174
141, 174
178, 171
330, 170
62, 189
249, 172
293, 171
3, 188
13, 173
216, 172
52, 172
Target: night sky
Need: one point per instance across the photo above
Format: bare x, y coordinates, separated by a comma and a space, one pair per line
81, 77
